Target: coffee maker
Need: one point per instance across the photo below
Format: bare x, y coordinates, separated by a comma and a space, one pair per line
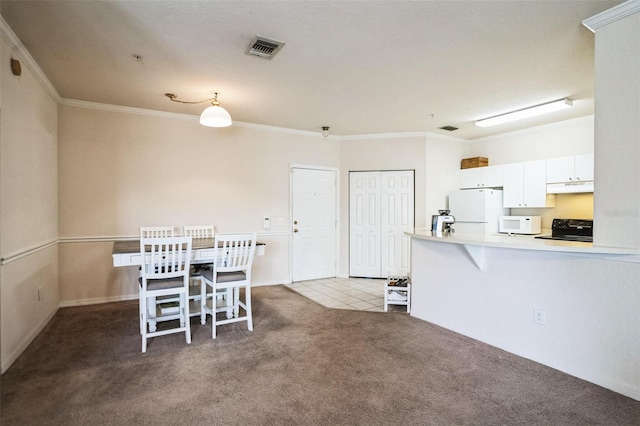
441, 223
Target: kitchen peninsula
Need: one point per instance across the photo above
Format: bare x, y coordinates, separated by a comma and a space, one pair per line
572, 306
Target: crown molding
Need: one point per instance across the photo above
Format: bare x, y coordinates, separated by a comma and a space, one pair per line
611, 15
177, 116
21, 53
127, 110
194, 118
286, 130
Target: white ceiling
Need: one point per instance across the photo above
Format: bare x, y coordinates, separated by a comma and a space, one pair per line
360, 67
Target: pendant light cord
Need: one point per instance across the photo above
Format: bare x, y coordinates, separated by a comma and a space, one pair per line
174, 98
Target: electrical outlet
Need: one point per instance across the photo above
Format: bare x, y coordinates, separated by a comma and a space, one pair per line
539, 316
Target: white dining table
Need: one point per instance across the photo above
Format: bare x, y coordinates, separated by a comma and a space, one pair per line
127, 253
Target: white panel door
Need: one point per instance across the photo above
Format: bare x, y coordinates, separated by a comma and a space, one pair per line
364, 224
381, 209
397, 217
314, 224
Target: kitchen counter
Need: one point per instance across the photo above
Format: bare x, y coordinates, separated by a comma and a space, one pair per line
525, 242
568, 305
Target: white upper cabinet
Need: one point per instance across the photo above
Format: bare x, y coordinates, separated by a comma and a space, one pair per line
584, 167
482, 177
570, 169
525, 185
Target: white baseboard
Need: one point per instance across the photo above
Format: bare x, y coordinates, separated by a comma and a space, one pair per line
97, 300
6, 363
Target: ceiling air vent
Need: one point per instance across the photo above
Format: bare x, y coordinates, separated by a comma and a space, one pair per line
264, 47
449, 128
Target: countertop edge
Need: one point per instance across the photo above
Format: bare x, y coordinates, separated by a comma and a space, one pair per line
523, 242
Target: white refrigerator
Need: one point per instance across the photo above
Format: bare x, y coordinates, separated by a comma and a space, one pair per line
476, 210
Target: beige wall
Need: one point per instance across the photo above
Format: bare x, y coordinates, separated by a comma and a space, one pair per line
571, 137
28, 209
391, 153
443, 171
123, 170
617, 83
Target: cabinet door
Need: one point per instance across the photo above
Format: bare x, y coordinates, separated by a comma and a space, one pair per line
470, 178
513, 185
534, 184
493, 176
584, 167
560, 170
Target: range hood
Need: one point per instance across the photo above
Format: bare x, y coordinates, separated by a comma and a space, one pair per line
569, 187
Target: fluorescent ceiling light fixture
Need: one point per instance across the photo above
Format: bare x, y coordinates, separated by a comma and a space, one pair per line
526, 113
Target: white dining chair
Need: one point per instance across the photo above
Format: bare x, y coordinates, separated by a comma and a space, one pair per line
156, 231
230, 273
198, 232
164, 272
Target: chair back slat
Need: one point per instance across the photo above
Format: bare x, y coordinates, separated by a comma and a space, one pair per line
236, 252
156, 231
199, 231
165, 257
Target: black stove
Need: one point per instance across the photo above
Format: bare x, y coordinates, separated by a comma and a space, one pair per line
571, 230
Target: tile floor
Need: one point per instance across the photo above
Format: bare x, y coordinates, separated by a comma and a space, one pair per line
361, 294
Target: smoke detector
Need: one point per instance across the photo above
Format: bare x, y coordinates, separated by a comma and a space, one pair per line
264, 47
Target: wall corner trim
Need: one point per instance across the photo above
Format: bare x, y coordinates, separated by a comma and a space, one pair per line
611, 15
23, 55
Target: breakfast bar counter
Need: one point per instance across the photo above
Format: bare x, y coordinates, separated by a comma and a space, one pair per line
572, 306
522, 242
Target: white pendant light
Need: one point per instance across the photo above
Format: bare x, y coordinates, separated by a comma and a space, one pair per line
526, 113
213, 116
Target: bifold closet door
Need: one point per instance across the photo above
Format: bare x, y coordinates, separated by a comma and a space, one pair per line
397, 216
364, 224
381, 209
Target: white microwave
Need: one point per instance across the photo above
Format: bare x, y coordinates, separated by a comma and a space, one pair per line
519, 224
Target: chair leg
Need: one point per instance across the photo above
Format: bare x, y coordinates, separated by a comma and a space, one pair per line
247, 302
203, 302
143, 322
151, 313
213, 316
141, 308
186, 317
182, 311
229, 299
236, 298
